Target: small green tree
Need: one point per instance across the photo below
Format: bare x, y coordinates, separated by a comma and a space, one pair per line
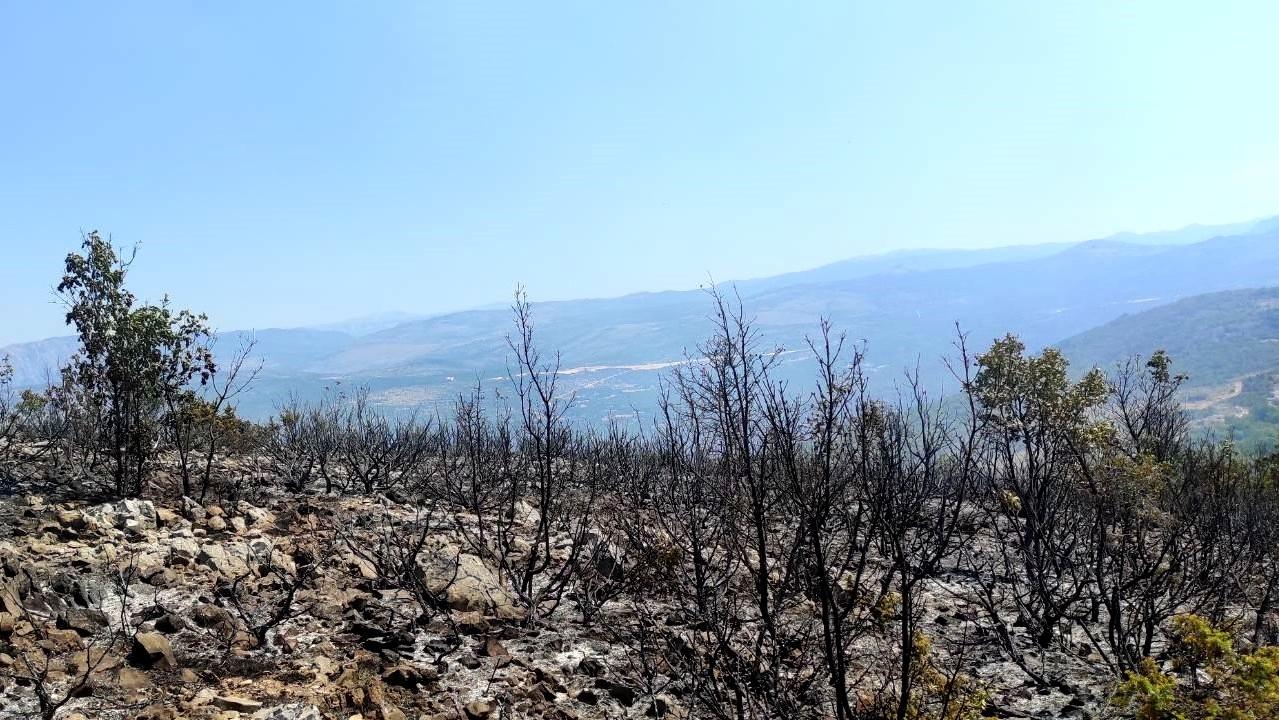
1218, 682
1036, 425
131, 358
1030, 398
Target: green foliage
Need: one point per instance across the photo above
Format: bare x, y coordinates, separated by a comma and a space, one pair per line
1149, 694
32, 402
941, 693
1033, 396
1133, 485
1196, 643
131, 358
1218, 682
1160, 367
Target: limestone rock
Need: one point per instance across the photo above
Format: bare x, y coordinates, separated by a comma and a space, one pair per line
72, 519
84, 621
60, 640
152, 650
408, 676
182, 552
192, 510
166, 517
494, 649
238, 704
468, 584
133, 516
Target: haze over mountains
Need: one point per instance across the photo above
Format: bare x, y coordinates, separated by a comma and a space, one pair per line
904, 305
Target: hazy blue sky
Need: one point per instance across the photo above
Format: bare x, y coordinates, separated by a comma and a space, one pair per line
288, 163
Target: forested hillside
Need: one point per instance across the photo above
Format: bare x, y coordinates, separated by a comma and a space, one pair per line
1227, 344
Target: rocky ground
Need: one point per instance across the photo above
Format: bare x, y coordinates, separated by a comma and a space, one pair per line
75, 573
148, 608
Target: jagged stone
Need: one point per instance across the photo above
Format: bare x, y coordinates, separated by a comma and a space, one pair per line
408, 676
212, 616
492, 648
84, 621
60, 640
152, 650
192, 510
237, 704
169, 623
133, 516
468, 584
592, 666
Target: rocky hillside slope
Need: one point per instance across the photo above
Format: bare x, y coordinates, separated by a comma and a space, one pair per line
157, 611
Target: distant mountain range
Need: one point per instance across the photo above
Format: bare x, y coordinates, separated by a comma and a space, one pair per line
904, 305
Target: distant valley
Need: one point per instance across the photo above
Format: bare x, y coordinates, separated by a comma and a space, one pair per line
1099, 300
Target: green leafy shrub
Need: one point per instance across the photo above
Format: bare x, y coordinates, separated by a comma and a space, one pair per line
1211, 679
